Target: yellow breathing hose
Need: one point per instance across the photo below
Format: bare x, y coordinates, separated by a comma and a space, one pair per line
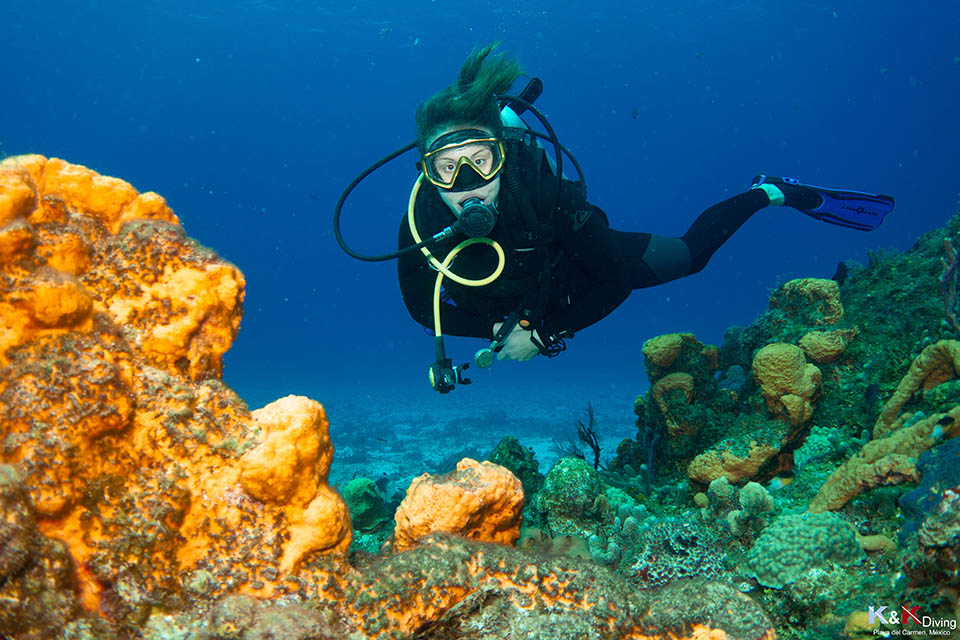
442, 267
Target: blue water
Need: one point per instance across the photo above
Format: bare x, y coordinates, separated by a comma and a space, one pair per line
251, 117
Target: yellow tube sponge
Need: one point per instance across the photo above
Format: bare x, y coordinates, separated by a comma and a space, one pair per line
886, 461
935, 365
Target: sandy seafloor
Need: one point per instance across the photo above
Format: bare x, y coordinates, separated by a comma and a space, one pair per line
381, 431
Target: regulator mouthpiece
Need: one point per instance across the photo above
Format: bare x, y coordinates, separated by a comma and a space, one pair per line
477, 219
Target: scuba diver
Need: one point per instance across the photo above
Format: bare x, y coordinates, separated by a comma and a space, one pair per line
498, 244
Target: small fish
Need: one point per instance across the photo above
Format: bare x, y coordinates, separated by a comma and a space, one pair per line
782, 480
871, 394
634, 113
937, 434
940, 429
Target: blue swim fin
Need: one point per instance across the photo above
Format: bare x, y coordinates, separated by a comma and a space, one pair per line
853, 209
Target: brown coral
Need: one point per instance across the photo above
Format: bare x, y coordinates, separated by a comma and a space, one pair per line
815, 301
790, 385
722, 461
682, 383
826, 346
480, 500
663, 350
936, 364
886, 461
522, 597
679, 352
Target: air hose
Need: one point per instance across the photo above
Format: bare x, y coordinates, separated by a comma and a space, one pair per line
443, 267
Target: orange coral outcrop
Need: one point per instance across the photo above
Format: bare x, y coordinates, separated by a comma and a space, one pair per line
886, 461
106, 321
936, 364
184, 307
480, 500
790, 385
725, 461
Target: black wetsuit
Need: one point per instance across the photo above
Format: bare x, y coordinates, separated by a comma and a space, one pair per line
596, 267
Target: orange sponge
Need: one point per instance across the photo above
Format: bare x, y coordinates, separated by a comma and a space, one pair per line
480, 500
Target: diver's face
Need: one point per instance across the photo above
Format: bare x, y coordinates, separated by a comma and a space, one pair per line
476, 154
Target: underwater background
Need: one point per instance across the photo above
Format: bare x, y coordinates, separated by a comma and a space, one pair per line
250, 118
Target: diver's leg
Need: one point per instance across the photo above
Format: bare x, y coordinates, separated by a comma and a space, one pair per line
785, 194
620, 261
646, 260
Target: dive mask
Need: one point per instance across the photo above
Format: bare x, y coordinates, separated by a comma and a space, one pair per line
463, 160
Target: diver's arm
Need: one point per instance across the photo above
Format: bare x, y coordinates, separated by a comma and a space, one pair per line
417, 281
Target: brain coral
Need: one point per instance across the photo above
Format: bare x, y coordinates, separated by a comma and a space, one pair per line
795, 544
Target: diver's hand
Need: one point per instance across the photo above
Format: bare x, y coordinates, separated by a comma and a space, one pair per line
518, 345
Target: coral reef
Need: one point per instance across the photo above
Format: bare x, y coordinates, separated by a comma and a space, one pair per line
889, 460
140, 497
787, 426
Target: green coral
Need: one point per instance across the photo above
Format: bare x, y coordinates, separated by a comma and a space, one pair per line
366, 504
792, 545
521, 461
569, 496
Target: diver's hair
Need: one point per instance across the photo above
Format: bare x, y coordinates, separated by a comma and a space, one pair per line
472, 99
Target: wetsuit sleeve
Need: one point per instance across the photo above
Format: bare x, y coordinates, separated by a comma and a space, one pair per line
417, 281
